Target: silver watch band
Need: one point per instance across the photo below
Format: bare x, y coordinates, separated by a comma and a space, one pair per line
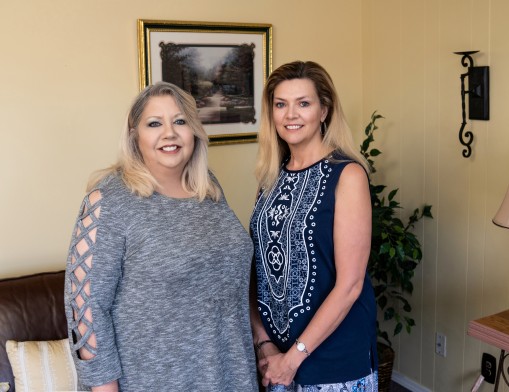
301, 347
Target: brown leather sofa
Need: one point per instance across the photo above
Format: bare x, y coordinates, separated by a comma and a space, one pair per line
31, 308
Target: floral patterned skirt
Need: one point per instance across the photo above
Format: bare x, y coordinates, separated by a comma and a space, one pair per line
364, 384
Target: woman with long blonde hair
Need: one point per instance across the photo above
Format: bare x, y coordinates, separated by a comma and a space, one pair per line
157, 278
314, 321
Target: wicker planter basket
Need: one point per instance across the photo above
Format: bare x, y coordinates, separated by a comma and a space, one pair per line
385, 364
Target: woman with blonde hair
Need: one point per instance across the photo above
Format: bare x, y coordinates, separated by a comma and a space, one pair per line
157, 278
314, 321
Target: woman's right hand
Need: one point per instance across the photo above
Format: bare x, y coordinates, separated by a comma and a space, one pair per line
267, 350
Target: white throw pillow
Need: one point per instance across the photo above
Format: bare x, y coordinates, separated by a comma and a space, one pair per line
42, 365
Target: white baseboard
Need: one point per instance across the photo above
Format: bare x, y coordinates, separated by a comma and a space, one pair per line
407, 382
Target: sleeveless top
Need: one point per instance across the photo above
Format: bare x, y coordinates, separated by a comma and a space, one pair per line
292, 230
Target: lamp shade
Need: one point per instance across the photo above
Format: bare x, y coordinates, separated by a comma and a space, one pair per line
502, 216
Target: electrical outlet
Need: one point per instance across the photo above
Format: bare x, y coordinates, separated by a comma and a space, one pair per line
440, 344
488, 368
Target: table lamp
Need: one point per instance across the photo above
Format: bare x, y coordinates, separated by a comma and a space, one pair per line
502, 216
494, 329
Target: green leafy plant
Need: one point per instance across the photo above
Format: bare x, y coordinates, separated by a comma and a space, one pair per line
395, 250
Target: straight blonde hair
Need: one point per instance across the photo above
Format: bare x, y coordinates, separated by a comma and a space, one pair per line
196, 178
273, 150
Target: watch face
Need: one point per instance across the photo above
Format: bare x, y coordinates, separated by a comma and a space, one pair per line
301, 346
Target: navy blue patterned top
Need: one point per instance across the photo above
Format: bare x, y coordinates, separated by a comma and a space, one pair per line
292, 230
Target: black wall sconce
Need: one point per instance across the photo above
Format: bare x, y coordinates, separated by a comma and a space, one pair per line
478, 99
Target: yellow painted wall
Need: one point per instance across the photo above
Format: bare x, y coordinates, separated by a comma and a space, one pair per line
413, 78
68, 72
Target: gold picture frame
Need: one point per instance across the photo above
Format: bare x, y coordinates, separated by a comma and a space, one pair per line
223, 65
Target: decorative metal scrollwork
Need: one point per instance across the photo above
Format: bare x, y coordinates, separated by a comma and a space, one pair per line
467, 138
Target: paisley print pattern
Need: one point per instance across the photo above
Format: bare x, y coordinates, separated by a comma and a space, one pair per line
292, 231
285, 226
364, 384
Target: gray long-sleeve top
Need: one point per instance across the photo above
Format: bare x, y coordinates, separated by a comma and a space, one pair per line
169, 282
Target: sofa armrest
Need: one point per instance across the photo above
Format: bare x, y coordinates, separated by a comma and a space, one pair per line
31, 308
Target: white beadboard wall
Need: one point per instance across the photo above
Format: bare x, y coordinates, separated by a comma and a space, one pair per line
412, 77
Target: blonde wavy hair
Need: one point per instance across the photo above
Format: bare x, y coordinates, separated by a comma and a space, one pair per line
196, 178
273, 150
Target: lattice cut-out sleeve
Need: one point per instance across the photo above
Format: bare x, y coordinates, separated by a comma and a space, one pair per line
92, 275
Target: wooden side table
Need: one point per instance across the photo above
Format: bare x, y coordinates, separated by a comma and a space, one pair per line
494, 330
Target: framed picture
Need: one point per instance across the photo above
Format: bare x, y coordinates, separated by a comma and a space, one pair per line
223, 65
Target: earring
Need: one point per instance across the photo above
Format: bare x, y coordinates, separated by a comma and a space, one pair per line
323, 128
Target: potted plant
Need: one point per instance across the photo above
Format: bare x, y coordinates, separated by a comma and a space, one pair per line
395, 254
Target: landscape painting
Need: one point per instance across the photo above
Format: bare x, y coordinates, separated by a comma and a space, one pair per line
220, 78
223, 66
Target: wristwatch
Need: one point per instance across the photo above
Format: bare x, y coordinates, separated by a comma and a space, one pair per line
301, 347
